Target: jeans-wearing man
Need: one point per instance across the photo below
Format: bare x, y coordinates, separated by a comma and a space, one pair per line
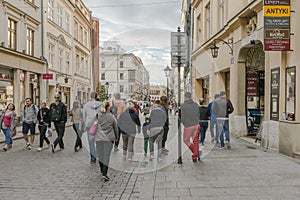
90, 111
222, 107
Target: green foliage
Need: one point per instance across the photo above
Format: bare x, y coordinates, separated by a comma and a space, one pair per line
102, 95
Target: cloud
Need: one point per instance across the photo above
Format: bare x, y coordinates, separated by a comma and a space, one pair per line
140, 29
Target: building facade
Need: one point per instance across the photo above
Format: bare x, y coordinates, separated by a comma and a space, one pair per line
82, 41
67, 47
247, 73
21, 65
123, 73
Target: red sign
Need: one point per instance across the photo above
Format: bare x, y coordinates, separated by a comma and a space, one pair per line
252, 80
277, 45
47, 76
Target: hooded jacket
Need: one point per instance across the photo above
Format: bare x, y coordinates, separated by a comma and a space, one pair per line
90, 110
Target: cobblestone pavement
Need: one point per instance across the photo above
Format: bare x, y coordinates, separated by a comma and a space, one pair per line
243, 172
28, 174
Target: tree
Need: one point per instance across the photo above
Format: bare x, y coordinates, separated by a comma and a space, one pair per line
102, 94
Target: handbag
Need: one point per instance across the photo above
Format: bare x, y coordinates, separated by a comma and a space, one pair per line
48, 132
93, 129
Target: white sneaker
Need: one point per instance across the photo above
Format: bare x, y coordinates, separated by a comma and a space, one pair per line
202, 147
40, 149
151, 157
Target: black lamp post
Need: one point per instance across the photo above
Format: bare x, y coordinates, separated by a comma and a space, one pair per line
106, 88
167, 73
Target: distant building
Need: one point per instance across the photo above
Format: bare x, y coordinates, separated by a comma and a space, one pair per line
123, 72
156, 91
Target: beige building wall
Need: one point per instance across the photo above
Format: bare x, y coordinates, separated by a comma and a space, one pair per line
228, 72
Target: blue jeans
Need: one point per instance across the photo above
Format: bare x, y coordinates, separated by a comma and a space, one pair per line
8, 139
212, 130
91, 140
223, 127
203, 128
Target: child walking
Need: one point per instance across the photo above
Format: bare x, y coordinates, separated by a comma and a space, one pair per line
146, 136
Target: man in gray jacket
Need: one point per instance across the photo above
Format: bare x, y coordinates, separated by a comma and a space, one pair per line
221, 108
190, 117
90, 111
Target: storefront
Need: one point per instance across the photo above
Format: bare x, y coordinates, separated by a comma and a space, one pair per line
6, 87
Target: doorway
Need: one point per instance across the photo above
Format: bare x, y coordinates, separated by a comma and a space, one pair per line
255, 88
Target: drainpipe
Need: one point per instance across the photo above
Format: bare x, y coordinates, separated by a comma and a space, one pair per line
43, 56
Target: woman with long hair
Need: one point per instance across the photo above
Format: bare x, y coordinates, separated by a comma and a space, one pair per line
105, 136
76, 114
128, 123
165, 105
44, 121
8, 124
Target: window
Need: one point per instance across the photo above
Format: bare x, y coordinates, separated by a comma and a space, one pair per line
121, 88
76, 30
30, 41
85, 38
103, 64
290, 93
222, 13
60, 59
77, 63
51, 9
199, 30
102, 76
67, 62
60, 16
12, 34
121, 64
131, 75
80, 34
121, 76
207, 21
82, 66
51, 55
67, 22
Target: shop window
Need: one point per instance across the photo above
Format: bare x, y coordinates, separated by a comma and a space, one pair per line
290, 93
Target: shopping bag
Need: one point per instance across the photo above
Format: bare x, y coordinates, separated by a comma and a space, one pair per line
48, 132
93, 128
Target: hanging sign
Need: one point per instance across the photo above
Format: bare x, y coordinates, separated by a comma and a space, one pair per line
277, 25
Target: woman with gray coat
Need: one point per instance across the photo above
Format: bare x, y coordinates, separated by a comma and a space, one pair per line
105, 136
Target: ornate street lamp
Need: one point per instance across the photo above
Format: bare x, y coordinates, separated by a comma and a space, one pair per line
214, 48
167, 73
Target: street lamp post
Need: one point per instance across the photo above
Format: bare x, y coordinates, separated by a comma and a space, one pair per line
167, 73
106, 88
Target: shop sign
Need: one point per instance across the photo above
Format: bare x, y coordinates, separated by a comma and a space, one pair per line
275, 86
277, 25
47, 76
252, 80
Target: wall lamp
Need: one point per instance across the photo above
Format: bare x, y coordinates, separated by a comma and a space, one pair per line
214, 48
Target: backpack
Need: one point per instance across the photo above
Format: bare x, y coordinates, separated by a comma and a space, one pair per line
32, 106
114, 109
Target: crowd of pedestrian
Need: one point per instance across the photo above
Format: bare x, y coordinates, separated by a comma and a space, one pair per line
107, 122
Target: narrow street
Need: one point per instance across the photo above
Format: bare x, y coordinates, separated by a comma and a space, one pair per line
244, 172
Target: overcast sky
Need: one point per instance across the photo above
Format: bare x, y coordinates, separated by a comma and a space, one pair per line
141, 27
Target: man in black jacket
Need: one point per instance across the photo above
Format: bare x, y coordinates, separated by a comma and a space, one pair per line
221, 108
59, 118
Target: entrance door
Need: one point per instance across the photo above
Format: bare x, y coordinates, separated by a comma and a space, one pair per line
255, 88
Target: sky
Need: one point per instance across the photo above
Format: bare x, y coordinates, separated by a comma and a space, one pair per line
141, 27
